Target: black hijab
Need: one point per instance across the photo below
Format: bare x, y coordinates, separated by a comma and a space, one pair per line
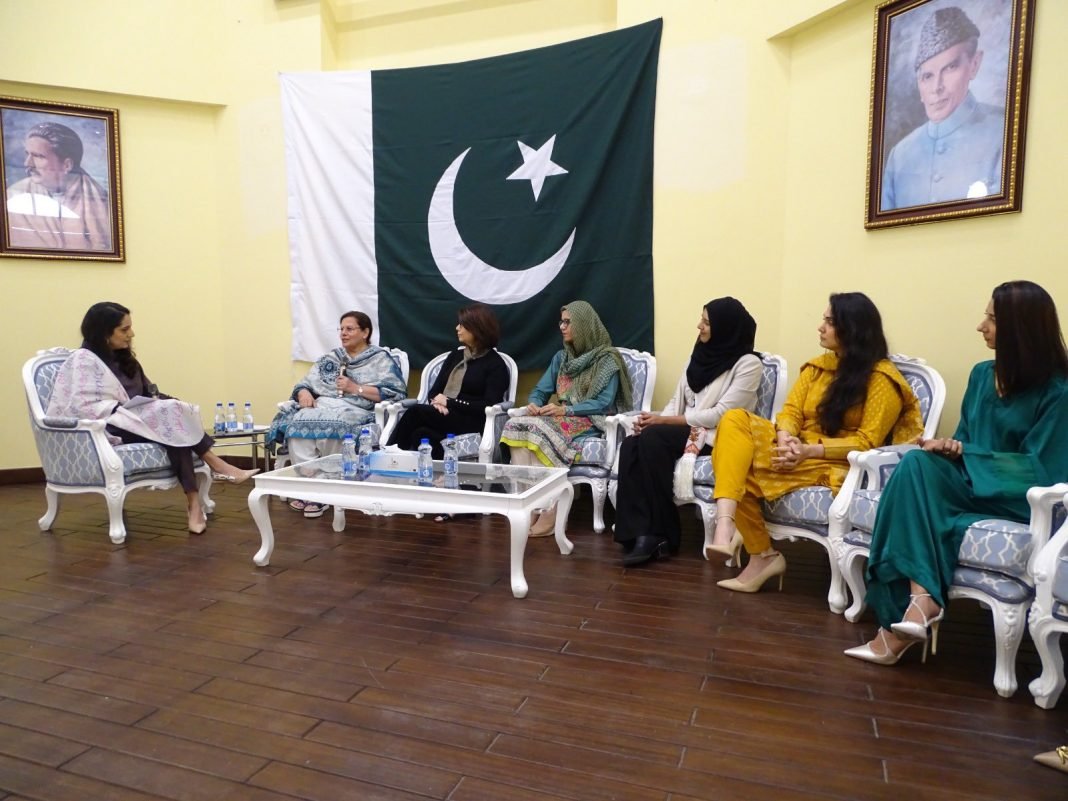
733, 336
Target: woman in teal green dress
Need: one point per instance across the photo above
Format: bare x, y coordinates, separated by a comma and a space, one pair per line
1013, 435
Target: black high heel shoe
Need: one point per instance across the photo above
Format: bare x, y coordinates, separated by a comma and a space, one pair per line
646, 549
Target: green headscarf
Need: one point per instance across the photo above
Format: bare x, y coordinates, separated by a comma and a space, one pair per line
590, 359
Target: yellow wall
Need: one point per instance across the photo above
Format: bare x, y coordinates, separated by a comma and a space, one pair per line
760, 149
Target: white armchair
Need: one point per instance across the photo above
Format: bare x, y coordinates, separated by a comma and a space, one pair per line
1048, 618
996, 563
78, 457
771, 394
281, 455
598, 453
474, 445
815, 514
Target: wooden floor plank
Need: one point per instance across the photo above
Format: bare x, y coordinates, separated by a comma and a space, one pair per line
390, 661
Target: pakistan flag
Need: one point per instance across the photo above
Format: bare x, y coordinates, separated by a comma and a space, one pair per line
521, 181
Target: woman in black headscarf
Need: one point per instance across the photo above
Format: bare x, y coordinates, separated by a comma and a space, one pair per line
723, 374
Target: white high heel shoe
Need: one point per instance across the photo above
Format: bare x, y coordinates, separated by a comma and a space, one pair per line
910, 630
866, 653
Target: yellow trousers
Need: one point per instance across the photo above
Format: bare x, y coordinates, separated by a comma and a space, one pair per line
741, 439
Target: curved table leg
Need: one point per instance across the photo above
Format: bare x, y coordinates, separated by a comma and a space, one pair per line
520, 525
257, 505
562, 510
338, 523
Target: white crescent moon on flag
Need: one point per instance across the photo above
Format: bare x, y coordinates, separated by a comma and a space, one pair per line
467, 273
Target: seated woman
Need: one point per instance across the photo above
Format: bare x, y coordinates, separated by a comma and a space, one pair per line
590, 382
850, 399
103, 380
1012, 435
337, 397
470, 379
723, 373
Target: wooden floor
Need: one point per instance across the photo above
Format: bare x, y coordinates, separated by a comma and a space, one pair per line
391, 662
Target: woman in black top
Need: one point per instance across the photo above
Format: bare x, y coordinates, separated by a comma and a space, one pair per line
471, 378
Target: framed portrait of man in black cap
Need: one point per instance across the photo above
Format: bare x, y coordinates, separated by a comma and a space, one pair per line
948, 109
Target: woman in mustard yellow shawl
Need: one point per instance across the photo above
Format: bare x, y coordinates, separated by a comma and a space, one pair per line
850, 399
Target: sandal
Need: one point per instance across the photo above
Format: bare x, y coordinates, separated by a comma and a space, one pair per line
297, 505
315, 509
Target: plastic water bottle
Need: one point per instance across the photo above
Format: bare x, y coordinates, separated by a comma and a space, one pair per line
365, 452
348, 457
231, 418
425, 469
247, 423
220, 421
451, 462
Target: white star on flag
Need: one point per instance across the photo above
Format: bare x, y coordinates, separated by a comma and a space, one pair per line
537, 165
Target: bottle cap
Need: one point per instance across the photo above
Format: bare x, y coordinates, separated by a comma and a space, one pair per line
424, 441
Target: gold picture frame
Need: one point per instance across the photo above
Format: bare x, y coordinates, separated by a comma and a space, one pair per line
948, 109
62, 182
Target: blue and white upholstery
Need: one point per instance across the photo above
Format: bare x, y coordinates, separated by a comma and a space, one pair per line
483, 447
1048, 618
77, 456
816, 514
771, 394
281, 452
599, 453
994, 564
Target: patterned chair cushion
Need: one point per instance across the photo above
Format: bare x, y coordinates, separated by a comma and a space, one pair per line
920, 388
769, 380
703, 493
1060, 579
638, 371
702, 472
859, 538
997, 585
142, 457
862, 509
68, 458
808, 507
594, 451
467, 445
1000, 545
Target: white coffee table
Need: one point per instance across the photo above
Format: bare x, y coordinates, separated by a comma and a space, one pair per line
514, 492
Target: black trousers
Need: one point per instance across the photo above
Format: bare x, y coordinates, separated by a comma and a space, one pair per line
423, 420
645, 495
181, 457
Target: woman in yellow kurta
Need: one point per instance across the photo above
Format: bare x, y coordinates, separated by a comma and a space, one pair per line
850, 399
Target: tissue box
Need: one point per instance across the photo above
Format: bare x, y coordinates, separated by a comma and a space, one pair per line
394, 462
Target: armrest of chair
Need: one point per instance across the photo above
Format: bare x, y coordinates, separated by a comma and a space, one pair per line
518, 411
1046, 546
60, 422
872, 462
617, 427
496, 417
387, 413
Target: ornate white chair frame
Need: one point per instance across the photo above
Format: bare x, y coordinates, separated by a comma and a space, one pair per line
771, 393
1048, 617
783, 520
78, 457
599, 453
483, 445
282, 457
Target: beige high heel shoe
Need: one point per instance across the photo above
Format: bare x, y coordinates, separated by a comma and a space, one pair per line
731, 551
887, 657
910, 630
545, 524
776, 566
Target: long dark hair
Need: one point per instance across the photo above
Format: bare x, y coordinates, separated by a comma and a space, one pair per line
98, 325
1028, 344
861, 343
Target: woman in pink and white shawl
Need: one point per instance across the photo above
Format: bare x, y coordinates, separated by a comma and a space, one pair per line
103, 380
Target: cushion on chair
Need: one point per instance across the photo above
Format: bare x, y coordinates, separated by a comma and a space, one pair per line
859, 538
638, 371
1000, 545
1060, 611
996, 585
1060, 579
920, 388
594, 451
769, 379
702, 472
140, 458
808, 507
862, 508
466, 445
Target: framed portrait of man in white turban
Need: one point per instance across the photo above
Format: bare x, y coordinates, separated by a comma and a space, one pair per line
62, 193
948, 109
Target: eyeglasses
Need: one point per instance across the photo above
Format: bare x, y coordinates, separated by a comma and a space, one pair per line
565, 323
347, 330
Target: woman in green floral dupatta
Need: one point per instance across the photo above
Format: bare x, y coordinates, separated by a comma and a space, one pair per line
590, 381
337, 397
